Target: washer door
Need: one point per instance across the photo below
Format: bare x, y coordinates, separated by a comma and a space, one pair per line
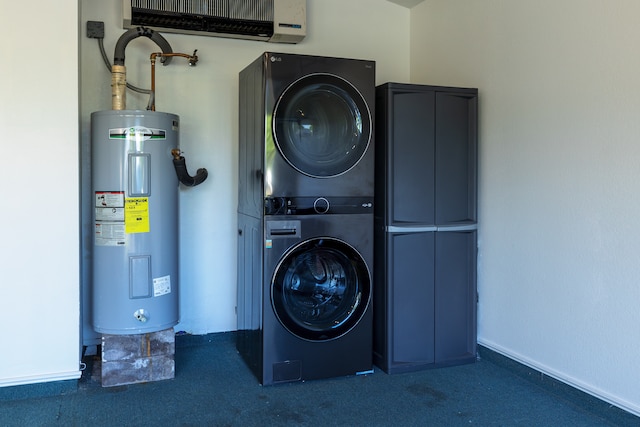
320, 289
322, 125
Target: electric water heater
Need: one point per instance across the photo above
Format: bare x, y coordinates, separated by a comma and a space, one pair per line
135, 214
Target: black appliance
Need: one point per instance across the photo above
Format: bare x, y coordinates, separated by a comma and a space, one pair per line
306, 129
425, 226
308, 315
305, 217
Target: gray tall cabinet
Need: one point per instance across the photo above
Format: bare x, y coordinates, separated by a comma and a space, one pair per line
425, 226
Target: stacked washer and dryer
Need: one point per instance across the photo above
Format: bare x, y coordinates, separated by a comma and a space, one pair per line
305, 217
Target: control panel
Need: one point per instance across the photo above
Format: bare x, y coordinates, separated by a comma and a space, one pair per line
317, 205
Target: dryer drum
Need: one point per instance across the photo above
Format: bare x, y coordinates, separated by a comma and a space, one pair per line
320, 289
322, 125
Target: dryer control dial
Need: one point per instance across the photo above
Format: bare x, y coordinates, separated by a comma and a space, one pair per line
321, 205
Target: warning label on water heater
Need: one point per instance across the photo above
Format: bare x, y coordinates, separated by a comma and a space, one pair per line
109, 216
136, 215
117, 216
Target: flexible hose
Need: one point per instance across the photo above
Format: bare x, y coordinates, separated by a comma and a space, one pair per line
180, 165
105, 59
118, 71
134, 33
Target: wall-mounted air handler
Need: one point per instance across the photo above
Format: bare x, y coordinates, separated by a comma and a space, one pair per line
279, 21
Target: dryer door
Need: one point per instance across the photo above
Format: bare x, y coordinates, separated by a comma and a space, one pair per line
322, 125
320, 289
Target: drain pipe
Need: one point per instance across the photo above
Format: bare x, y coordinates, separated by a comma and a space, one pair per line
180, 165
118, 70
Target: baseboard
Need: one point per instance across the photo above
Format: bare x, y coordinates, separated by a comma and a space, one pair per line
29, 388
553, 380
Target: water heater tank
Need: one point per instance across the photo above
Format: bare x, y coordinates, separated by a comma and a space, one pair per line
135, 213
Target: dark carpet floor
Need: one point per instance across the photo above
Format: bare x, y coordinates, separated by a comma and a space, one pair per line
213, 387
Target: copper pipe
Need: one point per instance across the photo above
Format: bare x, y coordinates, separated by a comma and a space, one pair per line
153, 82
193, 59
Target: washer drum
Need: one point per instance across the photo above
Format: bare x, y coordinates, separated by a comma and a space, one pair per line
135, 213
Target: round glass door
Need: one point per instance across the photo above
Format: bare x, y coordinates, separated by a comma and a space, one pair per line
322, 125
320, 289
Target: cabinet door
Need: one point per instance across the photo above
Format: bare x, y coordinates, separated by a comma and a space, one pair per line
411, 159
455, 158
411, 297
455, 295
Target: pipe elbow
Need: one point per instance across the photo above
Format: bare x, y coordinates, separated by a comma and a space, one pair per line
163, 44
180, 165
134, 33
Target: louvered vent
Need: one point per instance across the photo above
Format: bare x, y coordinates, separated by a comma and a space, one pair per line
217, 8
270, 20
240, 17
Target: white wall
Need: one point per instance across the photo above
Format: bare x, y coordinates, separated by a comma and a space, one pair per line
39, 284
559, 170
206, 98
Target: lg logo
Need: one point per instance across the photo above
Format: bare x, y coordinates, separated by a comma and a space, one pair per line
276, 59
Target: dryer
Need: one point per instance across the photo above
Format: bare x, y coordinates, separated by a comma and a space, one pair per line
306, 128
309, 315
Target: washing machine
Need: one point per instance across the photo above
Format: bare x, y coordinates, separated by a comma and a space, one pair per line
306, 128
309, 315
